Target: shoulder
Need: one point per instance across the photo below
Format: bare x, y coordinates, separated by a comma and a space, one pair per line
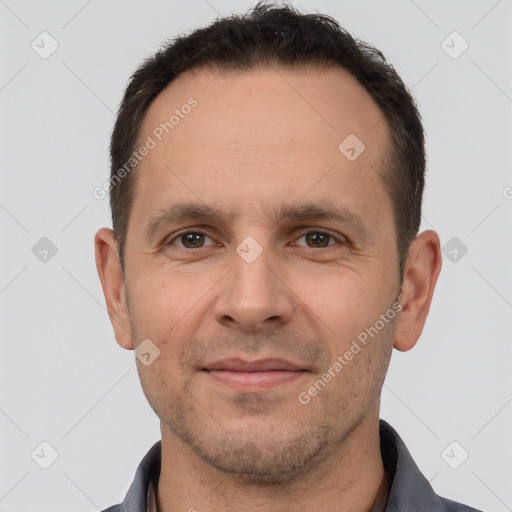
410, 490
113, 508
452, 506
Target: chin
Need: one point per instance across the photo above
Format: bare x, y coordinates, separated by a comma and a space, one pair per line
257, 457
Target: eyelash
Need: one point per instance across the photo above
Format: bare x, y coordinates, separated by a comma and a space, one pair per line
196, 232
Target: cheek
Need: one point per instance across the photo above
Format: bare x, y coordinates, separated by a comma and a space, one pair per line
169, 309
161, 384
158, 302
344, 302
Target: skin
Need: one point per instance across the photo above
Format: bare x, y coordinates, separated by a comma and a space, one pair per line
258, 141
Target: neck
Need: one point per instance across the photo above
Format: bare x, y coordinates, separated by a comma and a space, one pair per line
352, 479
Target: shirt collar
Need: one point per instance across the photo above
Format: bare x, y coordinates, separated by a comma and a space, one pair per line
136, 499
410, 490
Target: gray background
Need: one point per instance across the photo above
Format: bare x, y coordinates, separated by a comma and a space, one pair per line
65, 381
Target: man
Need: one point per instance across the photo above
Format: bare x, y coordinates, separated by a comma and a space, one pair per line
266, 187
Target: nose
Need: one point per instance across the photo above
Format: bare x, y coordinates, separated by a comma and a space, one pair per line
254, 295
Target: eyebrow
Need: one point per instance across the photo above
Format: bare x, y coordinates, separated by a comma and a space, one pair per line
179, 213
300, 213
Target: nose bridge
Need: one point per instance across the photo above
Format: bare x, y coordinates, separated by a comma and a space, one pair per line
252, 275
254, 296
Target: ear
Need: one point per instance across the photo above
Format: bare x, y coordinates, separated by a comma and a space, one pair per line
112, 282
420, 276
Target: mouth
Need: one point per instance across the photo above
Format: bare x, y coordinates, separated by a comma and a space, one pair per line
255, 375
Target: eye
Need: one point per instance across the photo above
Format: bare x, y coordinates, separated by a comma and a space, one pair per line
189, 240
318, 239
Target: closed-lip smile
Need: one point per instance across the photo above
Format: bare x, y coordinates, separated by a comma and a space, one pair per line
255, 375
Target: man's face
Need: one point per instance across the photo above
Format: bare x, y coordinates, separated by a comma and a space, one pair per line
268, 277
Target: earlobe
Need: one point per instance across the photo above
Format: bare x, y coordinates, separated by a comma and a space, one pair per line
112, 283
421, 272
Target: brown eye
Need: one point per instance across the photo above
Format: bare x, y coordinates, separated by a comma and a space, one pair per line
190, 240
317, 239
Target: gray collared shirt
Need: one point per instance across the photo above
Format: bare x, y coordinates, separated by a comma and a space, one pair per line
410, 490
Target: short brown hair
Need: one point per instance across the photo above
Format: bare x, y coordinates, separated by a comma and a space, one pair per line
269, 34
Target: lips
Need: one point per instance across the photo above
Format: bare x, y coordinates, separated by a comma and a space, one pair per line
253, 375
263, 365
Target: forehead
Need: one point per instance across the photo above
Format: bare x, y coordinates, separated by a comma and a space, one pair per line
265, 104
268, 131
